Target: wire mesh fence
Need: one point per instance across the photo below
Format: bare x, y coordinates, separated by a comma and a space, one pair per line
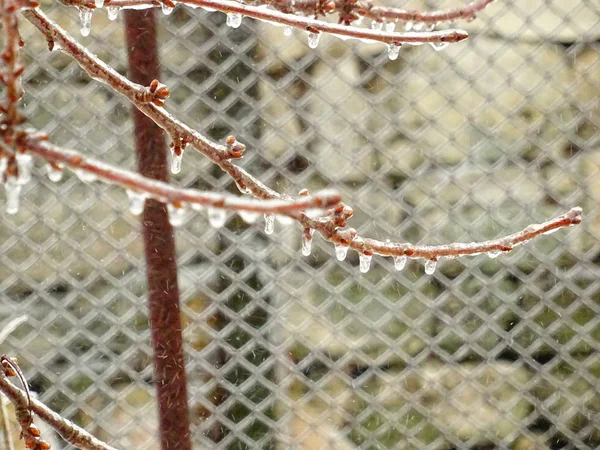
288, 351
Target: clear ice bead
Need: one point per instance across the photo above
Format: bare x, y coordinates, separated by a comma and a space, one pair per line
494, 253
393, 51
176, 215
176, 161
85, 176
399, 262
136, 202
341, 251
54, 174
25, 164
217, 217
112, 12
390, 27
234, 20
313, 39
376, 25
269, 223
249, 216
99, 3
364, 262
166, 9
287, 30
307, 243
430, 266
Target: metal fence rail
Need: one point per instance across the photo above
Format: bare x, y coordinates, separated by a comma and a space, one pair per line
286, 351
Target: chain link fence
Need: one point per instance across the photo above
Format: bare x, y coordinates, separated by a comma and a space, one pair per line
285, 351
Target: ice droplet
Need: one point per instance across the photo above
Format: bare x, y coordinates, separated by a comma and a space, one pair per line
419, 26
112, 12
364, 262
393, 51
85, 20
54, 174
176, 215
287, 30
176, 160
430, 266
13, 192
430, 27
399, 262
234, 20
408, 26
341, 251
217, 217
166, 9
376, 25
197, 206
390, 27
269, 223
494, 253
439, 46
307, 243
25, 164
85, 176
248, 216
99, 3
313, 39
136, 202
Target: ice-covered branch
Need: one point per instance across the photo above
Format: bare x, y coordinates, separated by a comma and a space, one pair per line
235, 11
141, 187
331, 226
25, 406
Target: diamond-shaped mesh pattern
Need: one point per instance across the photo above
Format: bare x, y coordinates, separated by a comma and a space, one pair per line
285, 351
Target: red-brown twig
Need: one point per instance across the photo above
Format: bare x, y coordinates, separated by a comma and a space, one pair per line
67, 430
468, 12
331, 226
172, 194
303, 23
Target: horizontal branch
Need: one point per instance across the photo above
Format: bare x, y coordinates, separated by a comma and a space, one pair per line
303, 23
70, 432
172, 194
331, 227
467, 12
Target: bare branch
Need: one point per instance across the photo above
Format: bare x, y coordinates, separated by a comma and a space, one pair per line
70, 432
172, 194
303, 23
468, 13
330, 226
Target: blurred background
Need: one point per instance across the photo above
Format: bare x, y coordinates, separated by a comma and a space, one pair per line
285, 351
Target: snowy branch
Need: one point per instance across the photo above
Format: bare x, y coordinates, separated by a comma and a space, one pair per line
25, 406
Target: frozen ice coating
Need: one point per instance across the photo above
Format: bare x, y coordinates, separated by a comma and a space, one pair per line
494, 253
284, 220
364, 262
54, 174
249, 216
269, 223
217, 217
99, 3
341, 251
234, 20
399, 262
393, 51
166, 9
85, 20
430, 265
176, 215
85, 175
176, 161
136, 202
13, 193
313, 39
112, 12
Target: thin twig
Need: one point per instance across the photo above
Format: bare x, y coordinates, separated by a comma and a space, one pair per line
70, 432
168, 193
8, 440
303, 23
331, 226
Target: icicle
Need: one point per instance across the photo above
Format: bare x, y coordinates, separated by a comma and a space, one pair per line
234, 20
390, 27
136, 202
376, 25
99, 3
166, 9
408, 26
341, 251
439, 46
13, 191
494, 253
364, 262
176, 159
313, 39
284, 220
85, 19
25, 164
399, 262
393, 51
269, 223
430, 266
217, 217
85, 176
54, 174
176, 215
307, 242
112, 12
248, 216
287, 30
